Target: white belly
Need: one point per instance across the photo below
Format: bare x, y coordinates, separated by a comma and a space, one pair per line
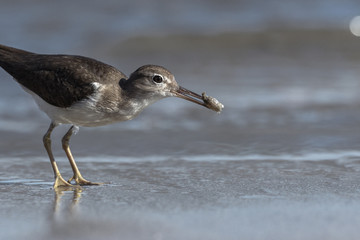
83, 113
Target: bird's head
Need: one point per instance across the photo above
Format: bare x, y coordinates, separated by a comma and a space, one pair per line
153, 83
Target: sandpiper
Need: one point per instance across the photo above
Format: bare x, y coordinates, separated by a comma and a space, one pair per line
82, 91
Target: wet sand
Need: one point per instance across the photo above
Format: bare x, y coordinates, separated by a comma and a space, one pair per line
280, 179
200, 198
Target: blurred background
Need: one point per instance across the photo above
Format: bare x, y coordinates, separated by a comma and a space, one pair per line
280, 67
286, 71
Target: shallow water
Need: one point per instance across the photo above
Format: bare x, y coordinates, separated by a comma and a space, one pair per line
281, 161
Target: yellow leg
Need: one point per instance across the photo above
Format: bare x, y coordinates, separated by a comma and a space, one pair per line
59, 180
77, 177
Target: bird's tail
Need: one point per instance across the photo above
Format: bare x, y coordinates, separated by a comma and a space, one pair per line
10, 54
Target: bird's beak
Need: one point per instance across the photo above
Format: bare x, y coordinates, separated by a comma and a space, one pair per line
189, 95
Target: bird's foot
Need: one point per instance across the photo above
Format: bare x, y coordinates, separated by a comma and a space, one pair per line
82, 181
61, 183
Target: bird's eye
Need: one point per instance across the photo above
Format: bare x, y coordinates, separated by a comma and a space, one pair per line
157, 79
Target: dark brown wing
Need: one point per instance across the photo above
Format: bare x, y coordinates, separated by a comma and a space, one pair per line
60, 80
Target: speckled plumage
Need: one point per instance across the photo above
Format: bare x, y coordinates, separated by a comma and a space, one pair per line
82, 91
60, 80
79, 90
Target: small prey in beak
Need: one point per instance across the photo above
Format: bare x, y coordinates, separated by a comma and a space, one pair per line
203, 100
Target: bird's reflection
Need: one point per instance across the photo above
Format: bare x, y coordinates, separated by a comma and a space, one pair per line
63, 206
